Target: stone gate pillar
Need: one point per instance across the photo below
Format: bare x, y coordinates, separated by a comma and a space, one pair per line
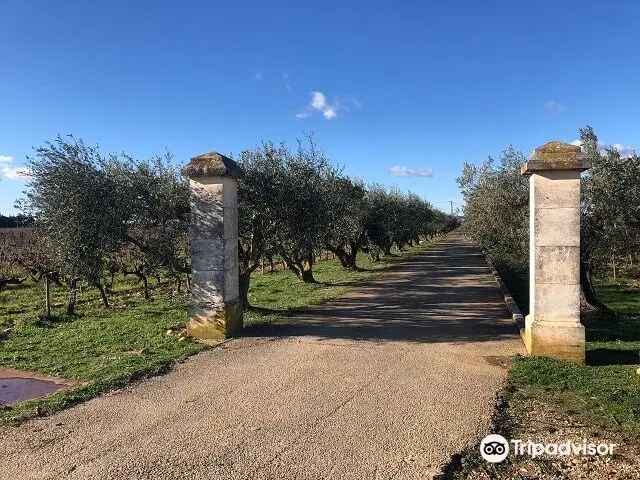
215, 310
553, 327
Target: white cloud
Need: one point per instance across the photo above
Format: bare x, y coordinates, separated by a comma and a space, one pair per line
624, 150
12, 173
257, 77
329, 110
19, 173
319, 102
351, 101
555, 107
402, 171
329, 113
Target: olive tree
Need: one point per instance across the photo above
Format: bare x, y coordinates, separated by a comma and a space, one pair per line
77, 210
497, 209
155, 200
380, 220
610, 209
303, 209
346, 230
496, 212
94, 211
259, 194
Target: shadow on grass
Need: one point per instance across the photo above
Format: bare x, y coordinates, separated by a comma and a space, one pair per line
51, 321
607, 327
608, 356
516, 277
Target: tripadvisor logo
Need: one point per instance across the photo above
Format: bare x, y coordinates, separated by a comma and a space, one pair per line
495, 448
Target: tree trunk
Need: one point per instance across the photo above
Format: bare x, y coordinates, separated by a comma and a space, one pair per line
103, 295
73, 295
145, 284
351, 262
340, 253
244, 281
47, 294
138, 272
307, 273
292, 267
55, 278
588, 293
352, 255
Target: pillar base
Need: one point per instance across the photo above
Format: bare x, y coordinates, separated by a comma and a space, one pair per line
215, 322
561, 340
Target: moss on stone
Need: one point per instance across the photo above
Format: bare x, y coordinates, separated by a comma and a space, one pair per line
223, 323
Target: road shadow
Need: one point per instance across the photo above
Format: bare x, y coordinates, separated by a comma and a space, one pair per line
269, 311
444, 294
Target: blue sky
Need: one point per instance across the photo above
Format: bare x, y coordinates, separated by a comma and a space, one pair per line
398, 92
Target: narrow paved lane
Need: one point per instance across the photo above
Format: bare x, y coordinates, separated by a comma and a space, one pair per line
384, 383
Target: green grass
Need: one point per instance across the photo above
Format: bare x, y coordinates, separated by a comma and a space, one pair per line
622, 295
100, 348
103, 349
605, 395
606, 391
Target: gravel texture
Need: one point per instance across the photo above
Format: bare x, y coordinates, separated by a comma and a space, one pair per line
384, 383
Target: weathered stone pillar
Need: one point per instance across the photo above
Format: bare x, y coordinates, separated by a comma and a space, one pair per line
215, 310
553, 327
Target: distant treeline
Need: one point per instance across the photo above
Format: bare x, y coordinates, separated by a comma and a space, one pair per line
13, 221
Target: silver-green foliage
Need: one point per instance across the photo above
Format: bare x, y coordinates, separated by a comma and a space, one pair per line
90, 209
610, 203
496, 212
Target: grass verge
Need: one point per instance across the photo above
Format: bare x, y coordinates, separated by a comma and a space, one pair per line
103, 349
607, 389
598, 400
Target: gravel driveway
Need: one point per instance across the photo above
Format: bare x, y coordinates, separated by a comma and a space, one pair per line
384, 383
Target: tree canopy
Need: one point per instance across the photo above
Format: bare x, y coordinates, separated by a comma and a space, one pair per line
496, 212
103, 215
